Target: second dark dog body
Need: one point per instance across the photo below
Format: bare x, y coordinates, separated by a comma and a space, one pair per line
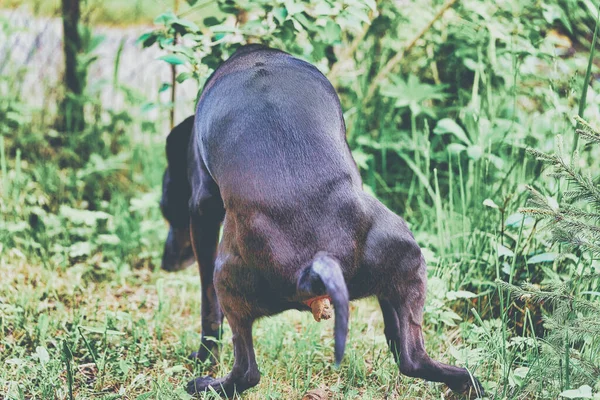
268, 158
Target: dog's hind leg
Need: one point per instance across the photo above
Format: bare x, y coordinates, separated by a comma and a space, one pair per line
402, 310
391, 327
392, 253
206, 211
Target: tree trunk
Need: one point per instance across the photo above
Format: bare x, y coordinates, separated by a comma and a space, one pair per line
173, 75
71, 116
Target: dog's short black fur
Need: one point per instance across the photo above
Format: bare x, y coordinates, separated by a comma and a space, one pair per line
266, 155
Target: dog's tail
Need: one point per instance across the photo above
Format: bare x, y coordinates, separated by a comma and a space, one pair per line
324, 276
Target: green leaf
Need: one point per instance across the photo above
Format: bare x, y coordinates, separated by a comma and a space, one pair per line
521, 372
146, 396
280, 14
82, 217
80, 249
449, 317
514, 220
583, 392
504, 251
148, 106
176, 369
144, 203
108, 239
124, 367
183, 77
475, 152
223, 29
165, 41
460, 294
470, 64
293, 7
541, 258
42, 355
490, 203
165, 18
183, 26
456, 148
174, 59
323, 8
372, 4
497, 161
361, 159
554, 12
163, 87
591, 292
411, 93
183, 51
447, 125
18, 226
211, 21
147, 39
331, 32
304, 20
359, 14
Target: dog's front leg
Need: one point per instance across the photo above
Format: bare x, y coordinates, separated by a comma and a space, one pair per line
205, 236
244, 374
235, 284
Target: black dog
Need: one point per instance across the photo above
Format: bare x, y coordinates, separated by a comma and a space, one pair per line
266, 154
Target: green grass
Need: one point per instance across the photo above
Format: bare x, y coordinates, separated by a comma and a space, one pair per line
132, 335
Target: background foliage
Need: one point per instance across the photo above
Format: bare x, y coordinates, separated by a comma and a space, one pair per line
441, 101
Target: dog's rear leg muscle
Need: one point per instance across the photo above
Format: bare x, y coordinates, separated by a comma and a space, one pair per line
206, 215
403, 316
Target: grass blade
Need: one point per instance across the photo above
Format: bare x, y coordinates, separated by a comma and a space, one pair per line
586, 81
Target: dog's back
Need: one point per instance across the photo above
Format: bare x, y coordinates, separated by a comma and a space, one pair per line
270, 129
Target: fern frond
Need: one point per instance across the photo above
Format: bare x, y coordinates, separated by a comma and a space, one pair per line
586, 131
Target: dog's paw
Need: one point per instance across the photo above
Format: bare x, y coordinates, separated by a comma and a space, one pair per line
473, 389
